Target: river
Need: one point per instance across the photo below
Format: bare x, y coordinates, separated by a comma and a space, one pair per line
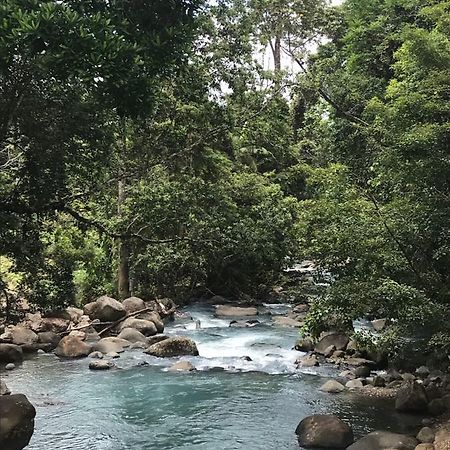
229, 403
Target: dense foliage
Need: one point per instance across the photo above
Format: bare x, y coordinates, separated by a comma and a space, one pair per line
146, 149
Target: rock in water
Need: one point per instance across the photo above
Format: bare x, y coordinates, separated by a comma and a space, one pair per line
132, 335
107, 309
332, 387
101, 364
110, 344
411, 398
146, 327
235, 311
16, 420
173, 346
305, 344
339, 340
3, 388
380, 440
10, 353
72, 347
324, 431
182, 366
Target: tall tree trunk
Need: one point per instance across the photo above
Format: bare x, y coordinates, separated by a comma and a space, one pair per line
277, 53
123, 269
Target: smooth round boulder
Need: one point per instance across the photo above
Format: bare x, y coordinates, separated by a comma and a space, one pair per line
16, 421
49, 337
379, 440
332, 387
10, 366
107, 309
21, 335
305, 344
132, 335
96, 355
146, 327
10, 353
362, 372
182, 366
155, 318
173, 346
101, 364
133, 304
354, 384
110, 344
324, 431
72, 347
426, 435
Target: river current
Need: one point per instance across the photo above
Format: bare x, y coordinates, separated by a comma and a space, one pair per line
229, 403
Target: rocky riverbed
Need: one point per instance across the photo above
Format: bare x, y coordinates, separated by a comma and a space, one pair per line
217, 377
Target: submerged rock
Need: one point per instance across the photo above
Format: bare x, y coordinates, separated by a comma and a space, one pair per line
182, 366
101, 365
235, 311
324, 431
72, 347
380, 440
173, 346
17, 421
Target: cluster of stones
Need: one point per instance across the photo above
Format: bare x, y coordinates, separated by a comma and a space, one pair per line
330, 432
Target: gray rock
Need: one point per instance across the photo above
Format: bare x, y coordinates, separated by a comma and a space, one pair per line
21, 335
132, 335
17, 421
378, 381
96, 355
422, 371
379, 324
339, 340
173, 346
324, 431
380, 440
110, 344
49, 337
182, 366
235, 311
133, 304
155, 339
107, 309
354, 384
329, 351
72, 347
101, 365
425, 435
332, 387
307, 361
411, 397
113, 355
305, 344
10, 366
287, 322
10, 353
146, 327
3, 388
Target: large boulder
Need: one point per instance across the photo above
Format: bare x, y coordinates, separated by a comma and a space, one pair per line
132, 335
72, 347
324, 431
332, 387
339, 340
133, 304
53, 324
235, 311
154, 317
10, 353
110, 345
305, 344
16, 421
411, 397
146, 327
380, 440
173, 346
107, 309
21, 335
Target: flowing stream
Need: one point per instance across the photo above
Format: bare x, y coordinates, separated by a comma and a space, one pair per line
228, 403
